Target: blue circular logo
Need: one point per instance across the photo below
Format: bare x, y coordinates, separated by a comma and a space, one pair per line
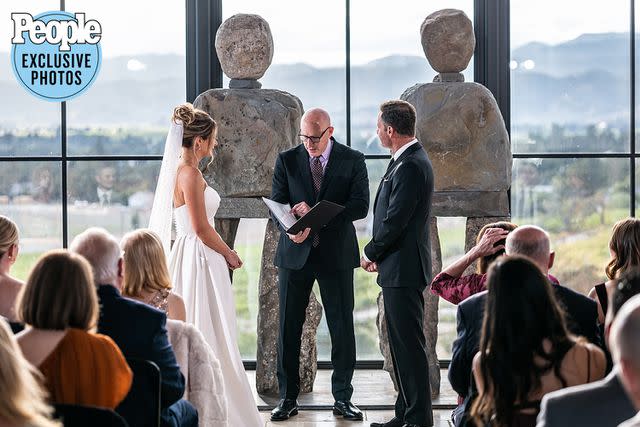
55, 56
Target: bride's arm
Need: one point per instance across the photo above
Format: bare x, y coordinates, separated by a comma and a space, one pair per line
190, 182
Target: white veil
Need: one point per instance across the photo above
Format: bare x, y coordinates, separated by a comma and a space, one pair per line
162, 211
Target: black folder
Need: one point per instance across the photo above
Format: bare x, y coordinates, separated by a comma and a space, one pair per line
319, 216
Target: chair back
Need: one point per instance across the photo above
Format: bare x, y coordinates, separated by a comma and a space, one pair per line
141, 407
82, 416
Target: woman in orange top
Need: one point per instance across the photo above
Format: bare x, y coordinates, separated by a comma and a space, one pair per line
60, 305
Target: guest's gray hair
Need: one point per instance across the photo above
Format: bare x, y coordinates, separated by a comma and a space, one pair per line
531, 242
102, 251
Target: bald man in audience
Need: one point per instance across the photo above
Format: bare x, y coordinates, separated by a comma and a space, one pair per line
625, 346
602, 403
582, 313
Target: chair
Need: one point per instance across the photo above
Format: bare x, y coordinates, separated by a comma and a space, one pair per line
141, 407
82, 416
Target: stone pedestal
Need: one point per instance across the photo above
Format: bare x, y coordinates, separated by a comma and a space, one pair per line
430, 321
268, 326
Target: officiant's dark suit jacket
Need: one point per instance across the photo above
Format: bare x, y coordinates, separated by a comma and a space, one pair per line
346, 183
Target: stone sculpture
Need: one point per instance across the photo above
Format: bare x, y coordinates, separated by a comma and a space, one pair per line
254, 126
462, 129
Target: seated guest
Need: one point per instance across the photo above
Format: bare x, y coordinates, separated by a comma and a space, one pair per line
451, 285
146, 277
59, 304
23, 398
602, 403
526, 350
9, 286
531, 242
625, 347
138, 329
624, 248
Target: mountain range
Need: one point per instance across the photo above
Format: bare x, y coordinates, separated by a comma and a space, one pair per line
578, 82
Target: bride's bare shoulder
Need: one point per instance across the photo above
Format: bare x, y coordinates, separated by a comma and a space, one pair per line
188, 173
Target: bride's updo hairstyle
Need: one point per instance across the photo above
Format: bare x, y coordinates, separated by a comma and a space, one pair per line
195, 123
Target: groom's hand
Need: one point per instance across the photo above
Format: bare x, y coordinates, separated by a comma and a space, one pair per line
365, 263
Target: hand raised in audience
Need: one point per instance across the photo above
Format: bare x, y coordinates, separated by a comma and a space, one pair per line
487, 244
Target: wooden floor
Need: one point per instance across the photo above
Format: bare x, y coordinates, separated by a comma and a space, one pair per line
373, 394
327, 419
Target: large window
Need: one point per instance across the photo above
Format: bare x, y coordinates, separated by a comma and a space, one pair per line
92, 161
570, 128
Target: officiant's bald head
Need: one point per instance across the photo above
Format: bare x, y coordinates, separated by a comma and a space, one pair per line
315, 131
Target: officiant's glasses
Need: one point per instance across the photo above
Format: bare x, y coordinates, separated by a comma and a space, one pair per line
313, 139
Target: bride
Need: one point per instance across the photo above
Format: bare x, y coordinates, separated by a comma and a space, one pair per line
200, 260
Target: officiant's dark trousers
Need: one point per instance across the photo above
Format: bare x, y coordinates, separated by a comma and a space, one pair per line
404, 311
336, 291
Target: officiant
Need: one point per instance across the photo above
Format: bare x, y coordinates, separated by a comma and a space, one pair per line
319, 168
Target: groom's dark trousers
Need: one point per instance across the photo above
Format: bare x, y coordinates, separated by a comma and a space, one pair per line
401, 248
330, 262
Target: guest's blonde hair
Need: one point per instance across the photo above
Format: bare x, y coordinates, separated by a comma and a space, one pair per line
23, 397
145, 265
59, 293
8, 234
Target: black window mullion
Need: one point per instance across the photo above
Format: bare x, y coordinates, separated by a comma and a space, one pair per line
63, 163
632, 112
348, 68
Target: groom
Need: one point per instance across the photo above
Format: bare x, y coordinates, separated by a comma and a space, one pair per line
319, 168
401, 254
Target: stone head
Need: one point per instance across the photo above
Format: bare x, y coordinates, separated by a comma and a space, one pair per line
448, 40
244, 46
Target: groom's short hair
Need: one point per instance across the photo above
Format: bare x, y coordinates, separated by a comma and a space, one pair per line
102, 251
400, 115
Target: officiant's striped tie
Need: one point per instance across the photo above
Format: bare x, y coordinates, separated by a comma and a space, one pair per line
316, 173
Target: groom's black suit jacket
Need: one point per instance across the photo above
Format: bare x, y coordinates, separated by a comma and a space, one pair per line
345, 182
401, 244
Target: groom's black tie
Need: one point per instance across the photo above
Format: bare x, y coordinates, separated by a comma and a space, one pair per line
390, 165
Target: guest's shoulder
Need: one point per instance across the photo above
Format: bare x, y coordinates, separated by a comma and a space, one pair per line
569, 295
137, 309
474, 301
101, 341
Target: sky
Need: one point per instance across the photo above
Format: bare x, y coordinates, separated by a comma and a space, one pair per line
314, 32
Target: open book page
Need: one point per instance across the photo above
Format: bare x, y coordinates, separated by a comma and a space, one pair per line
282, 212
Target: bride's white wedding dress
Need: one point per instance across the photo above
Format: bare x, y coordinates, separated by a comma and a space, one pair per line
201, 276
